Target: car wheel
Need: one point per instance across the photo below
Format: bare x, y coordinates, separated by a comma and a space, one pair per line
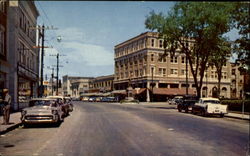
186, 110
221, 115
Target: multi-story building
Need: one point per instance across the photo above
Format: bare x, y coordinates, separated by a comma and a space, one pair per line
103, 84
237, 81
4, 63
23, 57
74, 86
138, 62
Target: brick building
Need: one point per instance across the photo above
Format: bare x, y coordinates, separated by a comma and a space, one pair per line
137, 62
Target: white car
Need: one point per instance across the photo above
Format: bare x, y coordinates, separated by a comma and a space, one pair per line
209, 106
42, 110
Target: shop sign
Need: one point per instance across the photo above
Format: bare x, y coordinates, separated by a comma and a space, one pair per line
46, 83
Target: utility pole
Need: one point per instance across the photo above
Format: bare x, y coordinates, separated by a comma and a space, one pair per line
52, 77
57, 71
42, 57
42, 35
186, 75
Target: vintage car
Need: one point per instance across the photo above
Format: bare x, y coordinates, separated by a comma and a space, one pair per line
42, 110
187, 103
68, 100
62, 102
209, 106
175, 100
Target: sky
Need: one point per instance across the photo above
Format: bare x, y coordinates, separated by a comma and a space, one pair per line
90, 30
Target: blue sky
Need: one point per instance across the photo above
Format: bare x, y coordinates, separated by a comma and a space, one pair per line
90, 30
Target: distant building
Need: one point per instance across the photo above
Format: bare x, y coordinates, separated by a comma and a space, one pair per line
237, 81
137, 62
103, 84
23, 58
74, 86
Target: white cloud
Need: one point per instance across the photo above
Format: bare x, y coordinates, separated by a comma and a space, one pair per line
92, 55
81, 58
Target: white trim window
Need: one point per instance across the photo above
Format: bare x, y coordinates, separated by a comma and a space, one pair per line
174, 71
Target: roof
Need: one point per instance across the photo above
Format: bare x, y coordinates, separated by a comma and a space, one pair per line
173, 91
209, 98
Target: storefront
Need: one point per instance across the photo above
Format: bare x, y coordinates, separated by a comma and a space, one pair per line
27, 84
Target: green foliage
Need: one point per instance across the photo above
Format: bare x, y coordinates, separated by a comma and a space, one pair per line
236, 105
202, 22
240, 15
129, 101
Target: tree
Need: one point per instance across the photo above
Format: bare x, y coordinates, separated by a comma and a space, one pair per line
219, 59
241, 19
199, 23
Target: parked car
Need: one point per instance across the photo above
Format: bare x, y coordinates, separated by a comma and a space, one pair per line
109, 99
85, 99
42, 110
209, 106
61, 101
92, 99
68, 100
175, 100
187, 103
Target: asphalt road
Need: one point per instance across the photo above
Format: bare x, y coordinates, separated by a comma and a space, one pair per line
133, 130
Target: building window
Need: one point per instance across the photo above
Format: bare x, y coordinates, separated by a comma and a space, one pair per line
183, 72
174, 59
160, 44
183, 59
152, 57
233, 71
162, 71
2, 32
152, 43
173, 71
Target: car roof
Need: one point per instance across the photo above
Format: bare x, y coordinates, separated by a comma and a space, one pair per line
54, 97
40, 99
210, 99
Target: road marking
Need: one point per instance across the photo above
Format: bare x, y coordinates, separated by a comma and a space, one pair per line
170, 129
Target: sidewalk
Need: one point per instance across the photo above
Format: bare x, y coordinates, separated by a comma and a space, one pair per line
237, 115
14, 122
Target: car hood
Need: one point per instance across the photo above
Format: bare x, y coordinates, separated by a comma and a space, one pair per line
38, 108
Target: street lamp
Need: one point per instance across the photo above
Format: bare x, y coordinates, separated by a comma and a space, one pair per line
152, 83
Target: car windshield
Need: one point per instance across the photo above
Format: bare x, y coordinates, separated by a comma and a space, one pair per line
42, 103
212, 101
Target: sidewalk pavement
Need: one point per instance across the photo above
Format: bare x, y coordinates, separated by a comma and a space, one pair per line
16, 122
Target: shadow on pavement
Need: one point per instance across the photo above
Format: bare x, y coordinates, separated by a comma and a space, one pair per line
161, 107
42, 125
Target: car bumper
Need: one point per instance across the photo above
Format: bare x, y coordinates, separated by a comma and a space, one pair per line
40, 119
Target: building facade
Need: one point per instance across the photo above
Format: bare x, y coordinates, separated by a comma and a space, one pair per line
74, 86
103, 84
23, 57
4, 62
138, 63
237, 81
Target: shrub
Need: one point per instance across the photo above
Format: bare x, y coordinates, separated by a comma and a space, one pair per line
236, 105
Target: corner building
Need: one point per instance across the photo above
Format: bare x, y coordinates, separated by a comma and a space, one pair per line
138, 63
23, 57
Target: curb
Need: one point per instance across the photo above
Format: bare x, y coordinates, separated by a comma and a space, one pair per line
10, 128
236, 117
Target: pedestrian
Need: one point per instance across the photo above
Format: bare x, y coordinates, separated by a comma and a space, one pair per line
6, 108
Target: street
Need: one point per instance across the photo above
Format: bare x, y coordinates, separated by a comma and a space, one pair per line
119, 129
